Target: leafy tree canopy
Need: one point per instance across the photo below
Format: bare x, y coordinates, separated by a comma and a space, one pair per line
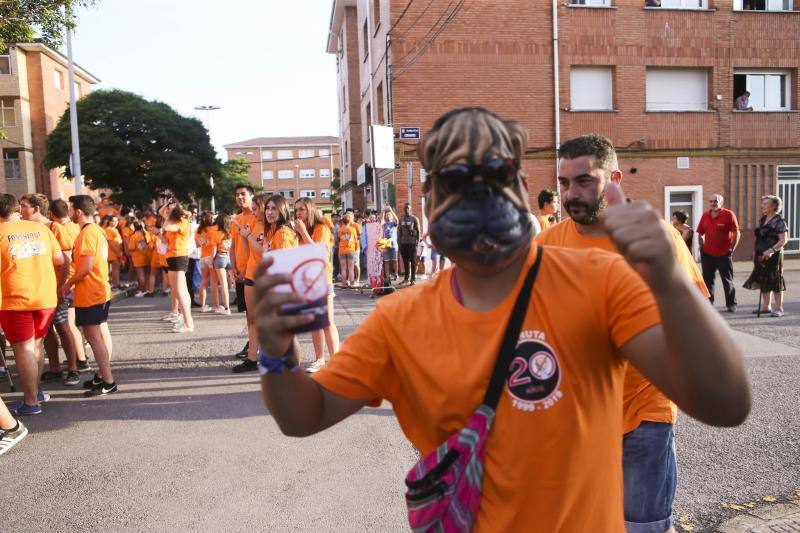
137, 148
234, 172
20, 20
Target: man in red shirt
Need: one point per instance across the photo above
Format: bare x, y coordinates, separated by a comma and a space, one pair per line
719, 236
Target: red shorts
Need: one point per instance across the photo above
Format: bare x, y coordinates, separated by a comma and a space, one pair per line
20, 326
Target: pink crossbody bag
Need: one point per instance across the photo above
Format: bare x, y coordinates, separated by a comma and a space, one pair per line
444, 488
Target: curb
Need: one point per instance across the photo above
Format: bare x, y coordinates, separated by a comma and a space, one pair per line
775, 516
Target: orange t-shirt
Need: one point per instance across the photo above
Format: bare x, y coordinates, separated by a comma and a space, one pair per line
72, 229
253, 257
140, 249
284, 238
64, 238
322, 234
642, 401
544, 221
554, 456
94, 289
27, 277
348, 239
222, 241
112, 235
178, 241
205, 241
241, 250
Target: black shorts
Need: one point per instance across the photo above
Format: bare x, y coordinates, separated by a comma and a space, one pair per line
241, 305
93, 315
178, 264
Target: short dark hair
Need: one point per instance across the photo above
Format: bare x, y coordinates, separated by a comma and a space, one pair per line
84, 202
37, 200
592, 144
681, 216
244, 186
747, 93
546, 196
8, 205
59, 208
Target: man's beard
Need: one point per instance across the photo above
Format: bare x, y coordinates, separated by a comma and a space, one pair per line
591, 212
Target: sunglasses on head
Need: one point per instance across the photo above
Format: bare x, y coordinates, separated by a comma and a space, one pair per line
501, 170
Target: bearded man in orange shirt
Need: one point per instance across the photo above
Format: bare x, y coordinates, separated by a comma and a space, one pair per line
553, 458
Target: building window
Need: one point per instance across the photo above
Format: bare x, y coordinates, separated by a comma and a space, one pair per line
672, 89
366, 40
5, 64
7, 116
677, 4
244, 153
266, 154
308, 173
324, 152
268, 193
58, 79
344, 98
376, 14
368, 122
763, 5
594, 3
324, 193
344, 155
324, 173
285, 174
307, 153
590, 88
287, 194
308, 193
267, 175
379, 96
285, 154
769, 91
11, 164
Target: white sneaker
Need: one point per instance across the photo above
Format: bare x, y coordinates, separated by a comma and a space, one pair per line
222, 311
170, 317
206, 309
316, 366
180, 327
139, 294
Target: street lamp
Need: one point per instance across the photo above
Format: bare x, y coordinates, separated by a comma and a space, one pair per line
208, 109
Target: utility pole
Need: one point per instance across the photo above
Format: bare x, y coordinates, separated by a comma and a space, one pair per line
208, 109
75, 159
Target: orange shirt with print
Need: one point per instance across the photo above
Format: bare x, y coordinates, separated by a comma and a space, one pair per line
241, 250
642, 401
323, 235
222, 242
178, 241
205, 241
348, 239
253, 257
554, 456
27, 276
112, 235
139, 245
94, 289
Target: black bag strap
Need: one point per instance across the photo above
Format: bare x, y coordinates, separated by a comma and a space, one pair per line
511, 336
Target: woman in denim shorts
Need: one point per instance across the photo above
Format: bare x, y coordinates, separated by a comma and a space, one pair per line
222, 241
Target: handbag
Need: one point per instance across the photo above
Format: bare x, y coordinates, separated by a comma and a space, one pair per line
444, 488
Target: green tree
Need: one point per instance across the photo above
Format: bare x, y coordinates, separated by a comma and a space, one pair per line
336, 189
234, 172
139, 149
20, 20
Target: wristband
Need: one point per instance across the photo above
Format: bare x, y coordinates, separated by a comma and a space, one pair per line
275, 365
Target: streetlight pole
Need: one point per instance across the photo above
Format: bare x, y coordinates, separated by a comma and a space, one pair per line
73, 117
208, 109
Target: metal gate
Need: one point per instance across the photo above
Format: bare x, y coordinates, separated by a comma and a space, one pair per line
789, 192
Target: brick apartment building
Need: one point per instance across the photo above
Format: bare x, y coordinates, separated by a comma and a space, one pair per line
661, 82
34, 93
293, 167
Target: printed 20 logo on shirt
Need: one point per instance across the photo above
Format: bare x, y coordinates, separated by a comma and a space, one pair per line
534, 374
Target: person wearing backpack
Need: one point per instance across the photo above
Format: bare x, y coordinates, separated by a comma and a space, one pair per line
513, 403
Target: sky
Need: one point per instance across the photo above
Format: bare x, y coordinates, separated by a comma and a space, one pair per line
262, 61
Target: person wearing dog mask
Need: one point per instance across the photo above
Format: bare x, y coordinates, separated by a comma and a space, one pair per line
553, 456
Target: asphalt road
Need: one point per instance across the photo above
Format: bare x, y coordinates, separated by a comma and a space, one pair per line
186, 445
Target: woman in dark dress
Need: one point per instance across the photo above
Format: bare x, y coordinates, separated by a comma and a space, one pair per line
767, 275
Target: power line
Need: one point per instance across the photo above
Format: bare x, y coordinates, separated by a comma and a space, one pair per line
403, 14
428, 33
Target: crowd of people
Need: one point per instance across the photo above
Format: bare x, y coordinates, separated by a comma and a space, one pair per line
652, 290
